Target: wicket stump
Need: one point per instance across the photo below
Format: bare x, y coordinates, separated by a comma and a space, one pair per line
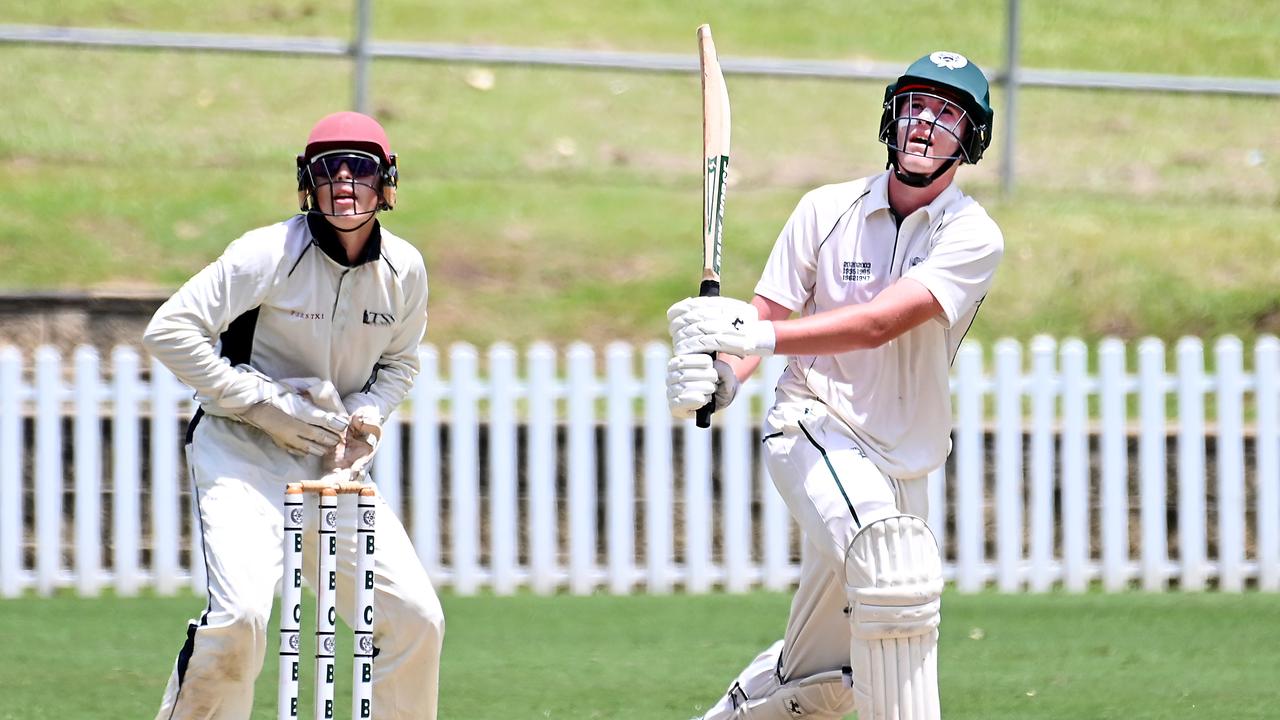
326, 603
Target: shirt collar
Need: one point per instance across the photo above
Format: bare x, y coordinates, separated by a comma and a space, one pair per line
326, 238
878, 197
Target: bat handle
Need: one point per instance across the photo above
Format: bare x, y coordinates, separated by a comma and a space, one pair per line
709, 288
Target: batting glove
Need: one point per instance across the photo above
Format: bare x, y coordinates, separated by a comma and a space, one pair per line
695, 380
719, 324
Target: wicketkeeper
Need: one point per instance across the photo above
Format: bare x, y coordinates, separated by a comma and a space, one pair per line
887, 274
299, 341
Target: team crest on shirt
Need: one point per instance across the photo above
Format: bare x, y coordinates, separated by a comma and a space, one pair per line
857, 272
915, 260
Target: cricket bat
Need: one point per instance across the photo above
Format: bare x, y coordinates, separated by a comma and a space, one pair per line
715, 155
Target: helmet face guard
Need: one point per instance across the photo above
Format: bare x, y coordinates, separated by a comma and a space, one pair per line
937, 84
363, 169
927, 125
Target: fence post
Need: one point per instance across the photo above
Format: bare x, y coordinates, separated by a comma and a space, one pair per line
1044, 394
658, 508
1009, 114
543, 545
1075, 465
48, 483
1153, 460
1191, 453
425, 459
1113, 394
360, 56
1266, 367
970, 510
621, 468
503, 527
125, 447
88, 472
1009, 482
11, 530
463, 472
580, 359
1231, 518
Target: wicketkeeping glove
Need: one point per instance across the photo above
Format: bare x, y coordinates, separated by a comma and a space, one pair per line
695, 380
719, 324
292, 420
348, 459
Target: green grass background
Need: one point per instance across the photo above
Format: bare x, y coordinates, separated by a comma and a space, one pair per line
1131, 656
562, 205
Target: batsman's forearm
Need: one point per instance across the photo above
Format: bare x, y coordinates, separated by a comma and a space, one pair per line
828, 333
899, 308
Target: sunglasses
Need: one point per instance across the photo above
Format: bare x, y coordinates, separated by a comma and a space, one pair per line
327, 166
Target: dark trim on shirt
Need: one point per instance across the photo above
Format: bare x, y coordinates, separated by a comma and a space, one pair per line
325, 237
237, 348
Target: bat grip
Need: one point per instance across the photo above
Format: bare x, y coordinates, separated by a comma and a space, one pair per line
709, 288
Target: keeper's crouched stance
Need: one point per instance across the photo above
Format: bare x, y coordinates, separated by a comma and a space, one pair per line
299, 341
886, 274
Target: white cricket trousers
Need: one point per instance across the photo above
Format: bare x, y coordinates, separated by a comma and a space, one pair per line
239, 501
832, 491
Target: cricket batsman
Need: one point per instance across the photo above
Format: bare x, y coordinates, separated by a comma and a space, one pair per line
887, 274
299, 341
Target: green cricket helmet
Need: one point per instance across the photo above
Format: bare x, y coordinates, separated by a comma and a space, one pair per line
951, 77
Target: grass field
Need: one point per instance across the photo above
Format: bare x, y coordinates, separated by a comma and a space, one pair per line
1025, 657
574, 195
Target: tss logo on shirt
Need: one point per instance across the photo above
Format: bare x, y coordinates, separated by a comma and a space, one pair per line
378, 318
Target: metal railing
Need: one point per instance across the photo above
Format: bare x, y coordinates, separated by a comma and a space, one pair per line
362, 49
597, 59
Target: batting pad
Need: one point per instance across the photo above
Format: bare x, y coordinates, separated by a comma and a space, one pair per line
893, 575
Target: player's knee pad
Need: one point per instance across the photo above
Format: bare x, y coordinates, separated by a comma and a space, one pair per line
825, 696
893, 575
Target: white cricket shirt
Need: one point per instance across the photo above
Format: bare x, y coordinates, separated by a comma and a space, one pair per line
283, 299
842, 247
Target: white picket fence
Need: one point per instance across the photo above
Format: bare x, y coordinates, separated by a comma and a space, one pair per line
561, 477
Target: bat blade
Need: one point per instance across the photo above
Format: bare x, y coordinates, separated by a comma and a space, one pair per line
715, 153
715, 156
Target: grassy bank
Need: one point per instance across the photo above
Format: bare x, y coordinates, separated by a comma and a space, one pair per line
573, 196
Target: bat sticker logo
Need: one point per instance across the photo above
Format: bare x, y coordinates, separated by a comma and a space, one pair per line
717, 179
